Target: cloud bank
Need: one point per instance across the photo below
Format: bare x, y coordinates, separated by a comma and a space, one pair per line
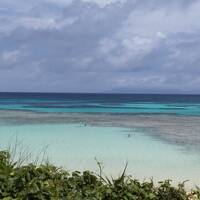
135, 46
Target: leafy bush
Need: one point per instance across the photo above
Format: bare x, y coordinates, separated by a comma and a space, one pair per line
47, 182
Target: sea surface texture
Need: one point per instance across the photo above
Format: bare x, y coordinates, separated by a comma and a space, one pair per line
158, 135
102, 103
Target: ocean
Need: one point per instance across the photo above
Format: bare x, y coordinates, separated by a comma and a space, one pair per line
157, 135
101, 103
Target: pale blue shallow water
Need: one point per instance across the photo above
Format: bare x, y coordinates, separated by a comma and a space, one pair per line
75, 147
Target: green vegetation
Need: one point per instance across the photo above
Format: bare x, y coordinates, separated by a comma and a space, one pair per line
43, 182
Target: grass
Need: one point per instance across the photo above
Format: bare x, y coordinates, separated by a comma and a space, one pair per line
48, 182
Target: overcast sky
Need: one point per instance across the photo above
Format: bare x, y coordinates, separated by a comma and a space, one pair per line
139, 46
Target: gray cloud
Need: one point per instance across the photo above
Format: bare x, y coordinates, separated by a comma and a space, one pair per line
100, 46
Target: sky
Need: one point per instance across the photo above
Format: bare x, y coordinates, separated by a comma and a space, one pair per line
103, 46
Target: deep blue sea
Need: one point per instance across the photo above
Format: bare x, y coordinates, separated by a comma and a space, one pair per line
102, 103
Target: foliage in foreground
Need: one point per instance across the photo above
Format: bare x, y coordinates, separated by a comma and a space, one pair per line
49, 182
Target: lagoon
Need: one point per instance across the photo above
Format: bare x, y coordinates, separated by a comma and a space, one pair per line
75, 147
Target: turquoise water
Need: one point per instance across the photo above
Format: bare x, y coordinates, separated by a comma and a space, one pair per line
75, 146
102, 103
137, 108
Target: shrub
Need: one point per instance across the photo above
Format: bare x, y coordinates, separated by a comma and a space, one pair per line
47, 182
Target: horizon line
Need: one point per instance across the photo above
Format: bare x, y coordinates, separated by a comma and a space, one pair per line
100, 93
